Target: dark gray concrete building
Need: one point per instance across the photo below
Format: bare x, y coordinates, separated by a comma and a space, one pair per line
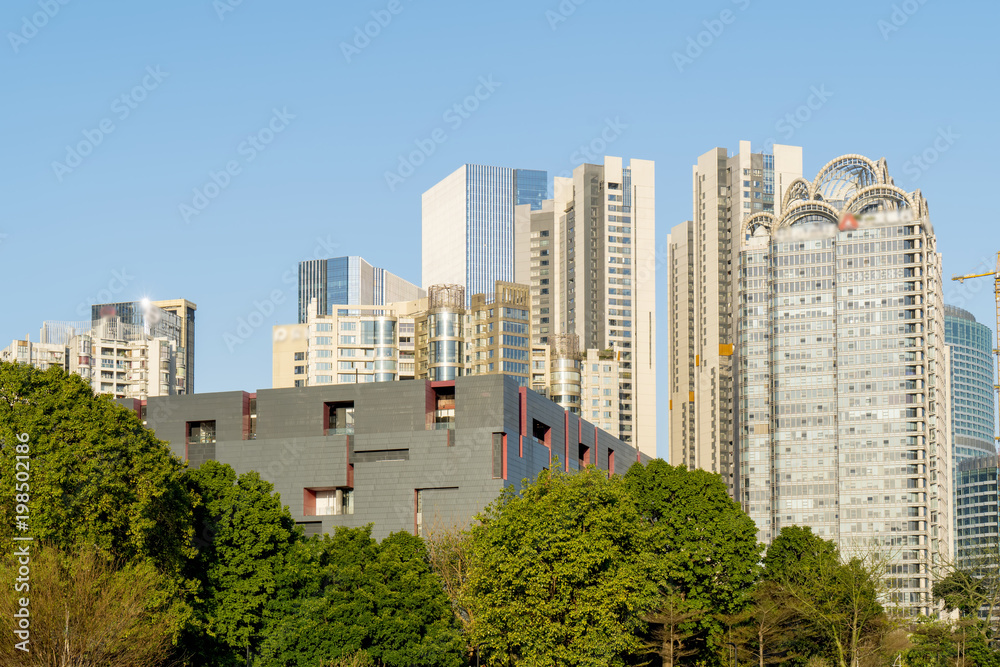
414, 455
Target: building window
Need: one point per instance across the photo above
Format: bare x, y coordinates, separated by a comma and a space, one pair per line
327, 501
300, 370
338, 418
201, 433
300, 356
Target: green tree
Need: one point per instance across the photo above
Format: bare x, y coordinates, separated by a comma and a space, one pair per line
560, 574
97, 476
87, 611
705, 547
840, 601
244, 538
347, 594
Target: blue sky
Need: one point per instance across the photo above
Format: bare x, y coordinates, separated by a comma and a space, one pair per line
200, 77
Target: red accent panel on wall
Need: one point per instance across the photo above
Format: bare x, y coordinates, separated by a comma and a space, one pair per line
523, 391
611, 463
520, 446
308, 502
443, 383
566, 438
505, 456
429, 404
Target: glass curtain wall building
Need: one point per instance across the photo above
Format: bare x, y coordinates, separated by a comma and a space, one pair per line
468, 225
842, 378
973, 409
352, 281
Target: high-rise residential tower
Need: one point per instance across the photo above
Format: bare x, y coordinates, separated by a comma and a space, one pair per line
701, 254
352, 281
589, 255
185, 310
468, 225
973, 410
842, 383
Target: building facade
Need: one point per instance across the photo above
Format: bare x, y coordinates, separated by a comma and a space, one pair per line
436, 338
349, 281
842, 372
136, 356
701, 256
589, 255
467, 225
973, 408
185, 310
411, 456
977, 514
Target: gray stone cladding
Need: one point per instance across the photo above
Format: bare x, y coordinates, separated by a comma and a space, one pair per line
395, 452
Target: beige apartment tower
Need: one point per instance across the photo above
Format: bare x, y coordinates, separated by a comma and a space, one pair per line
701, 256
589, 255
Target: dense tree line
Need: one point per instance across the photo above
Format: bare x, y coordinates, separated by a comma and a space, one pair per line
140, 560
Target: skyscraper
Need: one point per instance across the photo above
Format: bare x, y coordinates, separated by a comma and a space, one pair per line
468, 225
589, 255
973, 411
349, 281
701, 254
185, 310
841, 380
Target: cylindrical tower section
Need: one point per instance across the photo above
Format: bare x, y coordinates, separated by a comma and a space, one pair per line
564, 369
445, 337
386, 343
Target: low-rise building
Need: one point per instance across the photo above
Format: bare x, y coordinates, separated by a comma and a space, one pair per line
414, 456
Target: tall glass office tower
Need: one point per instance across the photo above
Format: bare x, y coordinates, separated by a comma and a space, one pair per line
973, 411
468, 225
349, 281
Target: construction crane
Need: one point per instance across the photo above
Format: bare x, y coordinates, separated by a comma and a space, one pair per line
996, 288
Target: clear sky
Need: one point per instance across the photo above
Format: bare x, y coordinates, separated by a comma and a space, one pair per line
152, 99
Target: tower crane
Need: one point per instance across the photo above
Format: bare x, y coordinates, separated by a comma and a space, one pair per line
996, 287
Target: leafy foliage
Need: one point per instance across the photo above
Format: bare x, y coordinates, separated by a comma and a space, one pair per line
88, 611
98, 477
346, 593
560, 573
704, 547
244, 541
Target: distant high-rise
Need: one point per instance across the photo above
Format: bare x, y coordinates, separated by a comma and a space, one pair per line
349, 281
185, 310
841, 372
589, 255
973, 411
172, 319
701, 255
468, 225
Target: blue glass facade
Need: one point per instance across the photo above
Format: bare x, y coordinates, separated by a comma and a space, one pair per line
346, 281
491, 194
973, 411
531, 187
